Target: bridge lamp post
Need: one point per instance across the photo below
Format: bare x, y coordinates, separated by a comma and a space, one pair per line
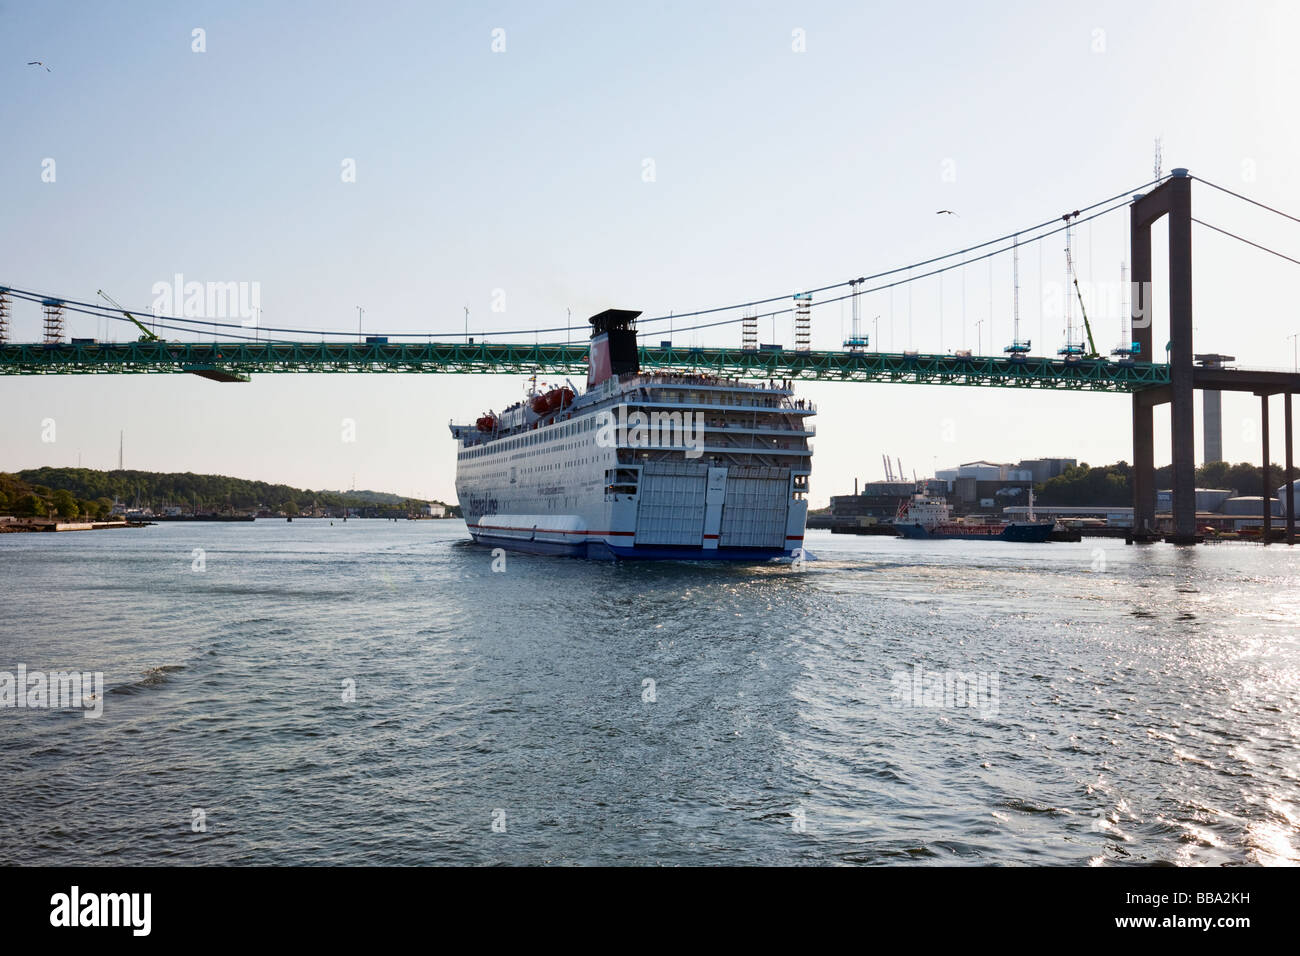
1295, 351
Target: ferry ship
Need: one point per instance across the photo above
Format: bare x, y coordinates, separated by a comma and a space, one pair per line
928, 516
640, 465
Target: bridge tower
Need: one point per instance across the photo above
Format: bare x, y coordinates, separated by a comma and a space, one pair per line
4, 316
1172, 198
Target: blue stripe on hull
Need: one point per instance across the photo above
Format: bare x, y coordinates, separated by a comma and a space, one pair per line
602, 551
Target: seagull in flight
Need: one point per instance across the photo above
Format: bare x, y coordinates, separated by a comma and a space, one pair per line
946, 212
39, 63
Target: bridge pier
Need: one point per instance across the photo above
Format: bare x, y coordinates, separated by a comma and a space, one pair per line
1144, 463
1144, 442
1267, 504
1172, 198
1290, 478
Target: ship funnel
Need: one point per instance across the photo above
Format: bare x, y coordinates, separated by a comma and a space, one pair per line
613, 348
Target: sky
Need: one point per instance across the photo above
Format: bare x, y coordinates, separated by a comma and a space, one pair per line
528, 161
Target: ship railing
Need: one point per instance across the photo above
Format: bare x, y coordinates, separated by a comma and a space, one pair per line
772, 403
802, 430
667, 378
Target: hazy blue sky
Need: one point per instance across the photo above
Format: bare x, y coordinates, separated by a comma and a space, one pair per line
522, 171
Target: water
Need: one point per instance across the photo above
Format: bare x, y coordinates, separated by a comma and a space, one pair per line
1145, 708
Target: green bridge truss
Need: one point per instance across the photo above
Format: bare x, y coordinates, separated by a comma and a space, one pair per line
234, 361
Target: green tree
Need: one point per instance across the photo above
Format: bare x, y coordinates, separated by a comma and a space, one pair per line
65, 504
29, 506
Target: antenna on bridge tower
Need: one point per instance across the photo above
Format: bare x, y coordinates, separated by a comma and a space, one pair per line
1069, 277
749, 329
1017, 349
1074, 350
1125, 350
1015, 285
855, 341
1071, 349
1158, 167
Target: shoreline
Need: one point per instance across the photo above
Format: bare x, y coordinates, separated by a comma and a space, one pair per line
46, 525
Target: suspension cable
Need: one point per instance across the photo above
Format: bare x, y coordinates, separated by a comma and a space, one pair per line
190, 324
1256, 202
1245, 240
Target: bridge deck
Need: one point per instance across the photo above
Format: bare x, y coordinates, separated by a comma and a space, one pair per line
232, 359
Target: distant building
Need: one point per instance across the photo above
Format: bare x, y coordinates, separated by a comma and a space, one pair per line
978, 470
1118, 516
434, 510
889, 489
1251, 505
1045, 469
1281, 494
1207, 499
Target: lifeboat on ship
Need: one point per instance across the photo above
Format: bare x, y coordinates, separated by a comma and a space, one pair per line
543, 403
487, 422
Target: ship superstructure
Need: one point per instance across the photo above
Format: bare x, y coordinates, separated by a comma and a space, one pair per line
640, 465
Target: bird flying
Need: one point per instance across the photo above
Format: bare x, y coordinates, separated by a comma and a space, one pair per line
39, 63
946, 212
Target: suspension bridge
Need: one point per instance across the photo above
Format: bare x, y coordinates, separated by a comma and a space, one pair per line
1077, 366
231, 361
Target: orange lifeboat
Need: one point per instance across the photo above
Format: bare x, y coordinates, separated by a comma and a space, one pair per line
555, 399
539, 403
486, 423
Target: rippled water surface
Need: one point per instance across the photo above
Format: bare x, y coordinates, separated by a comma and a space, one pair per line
1140, 705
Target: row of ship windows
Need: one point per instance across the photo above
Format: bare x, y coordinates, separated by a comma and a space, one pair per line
535, 438
537, 451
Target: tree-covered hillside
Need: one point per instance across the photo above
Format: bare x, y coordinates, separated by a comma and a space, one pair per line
82, 492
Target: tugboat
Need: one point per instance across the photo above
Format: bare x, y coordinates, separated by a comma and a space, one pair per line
929, 517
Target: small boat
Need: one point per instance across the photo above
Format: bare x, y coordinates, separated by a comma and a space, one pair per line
929, 517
